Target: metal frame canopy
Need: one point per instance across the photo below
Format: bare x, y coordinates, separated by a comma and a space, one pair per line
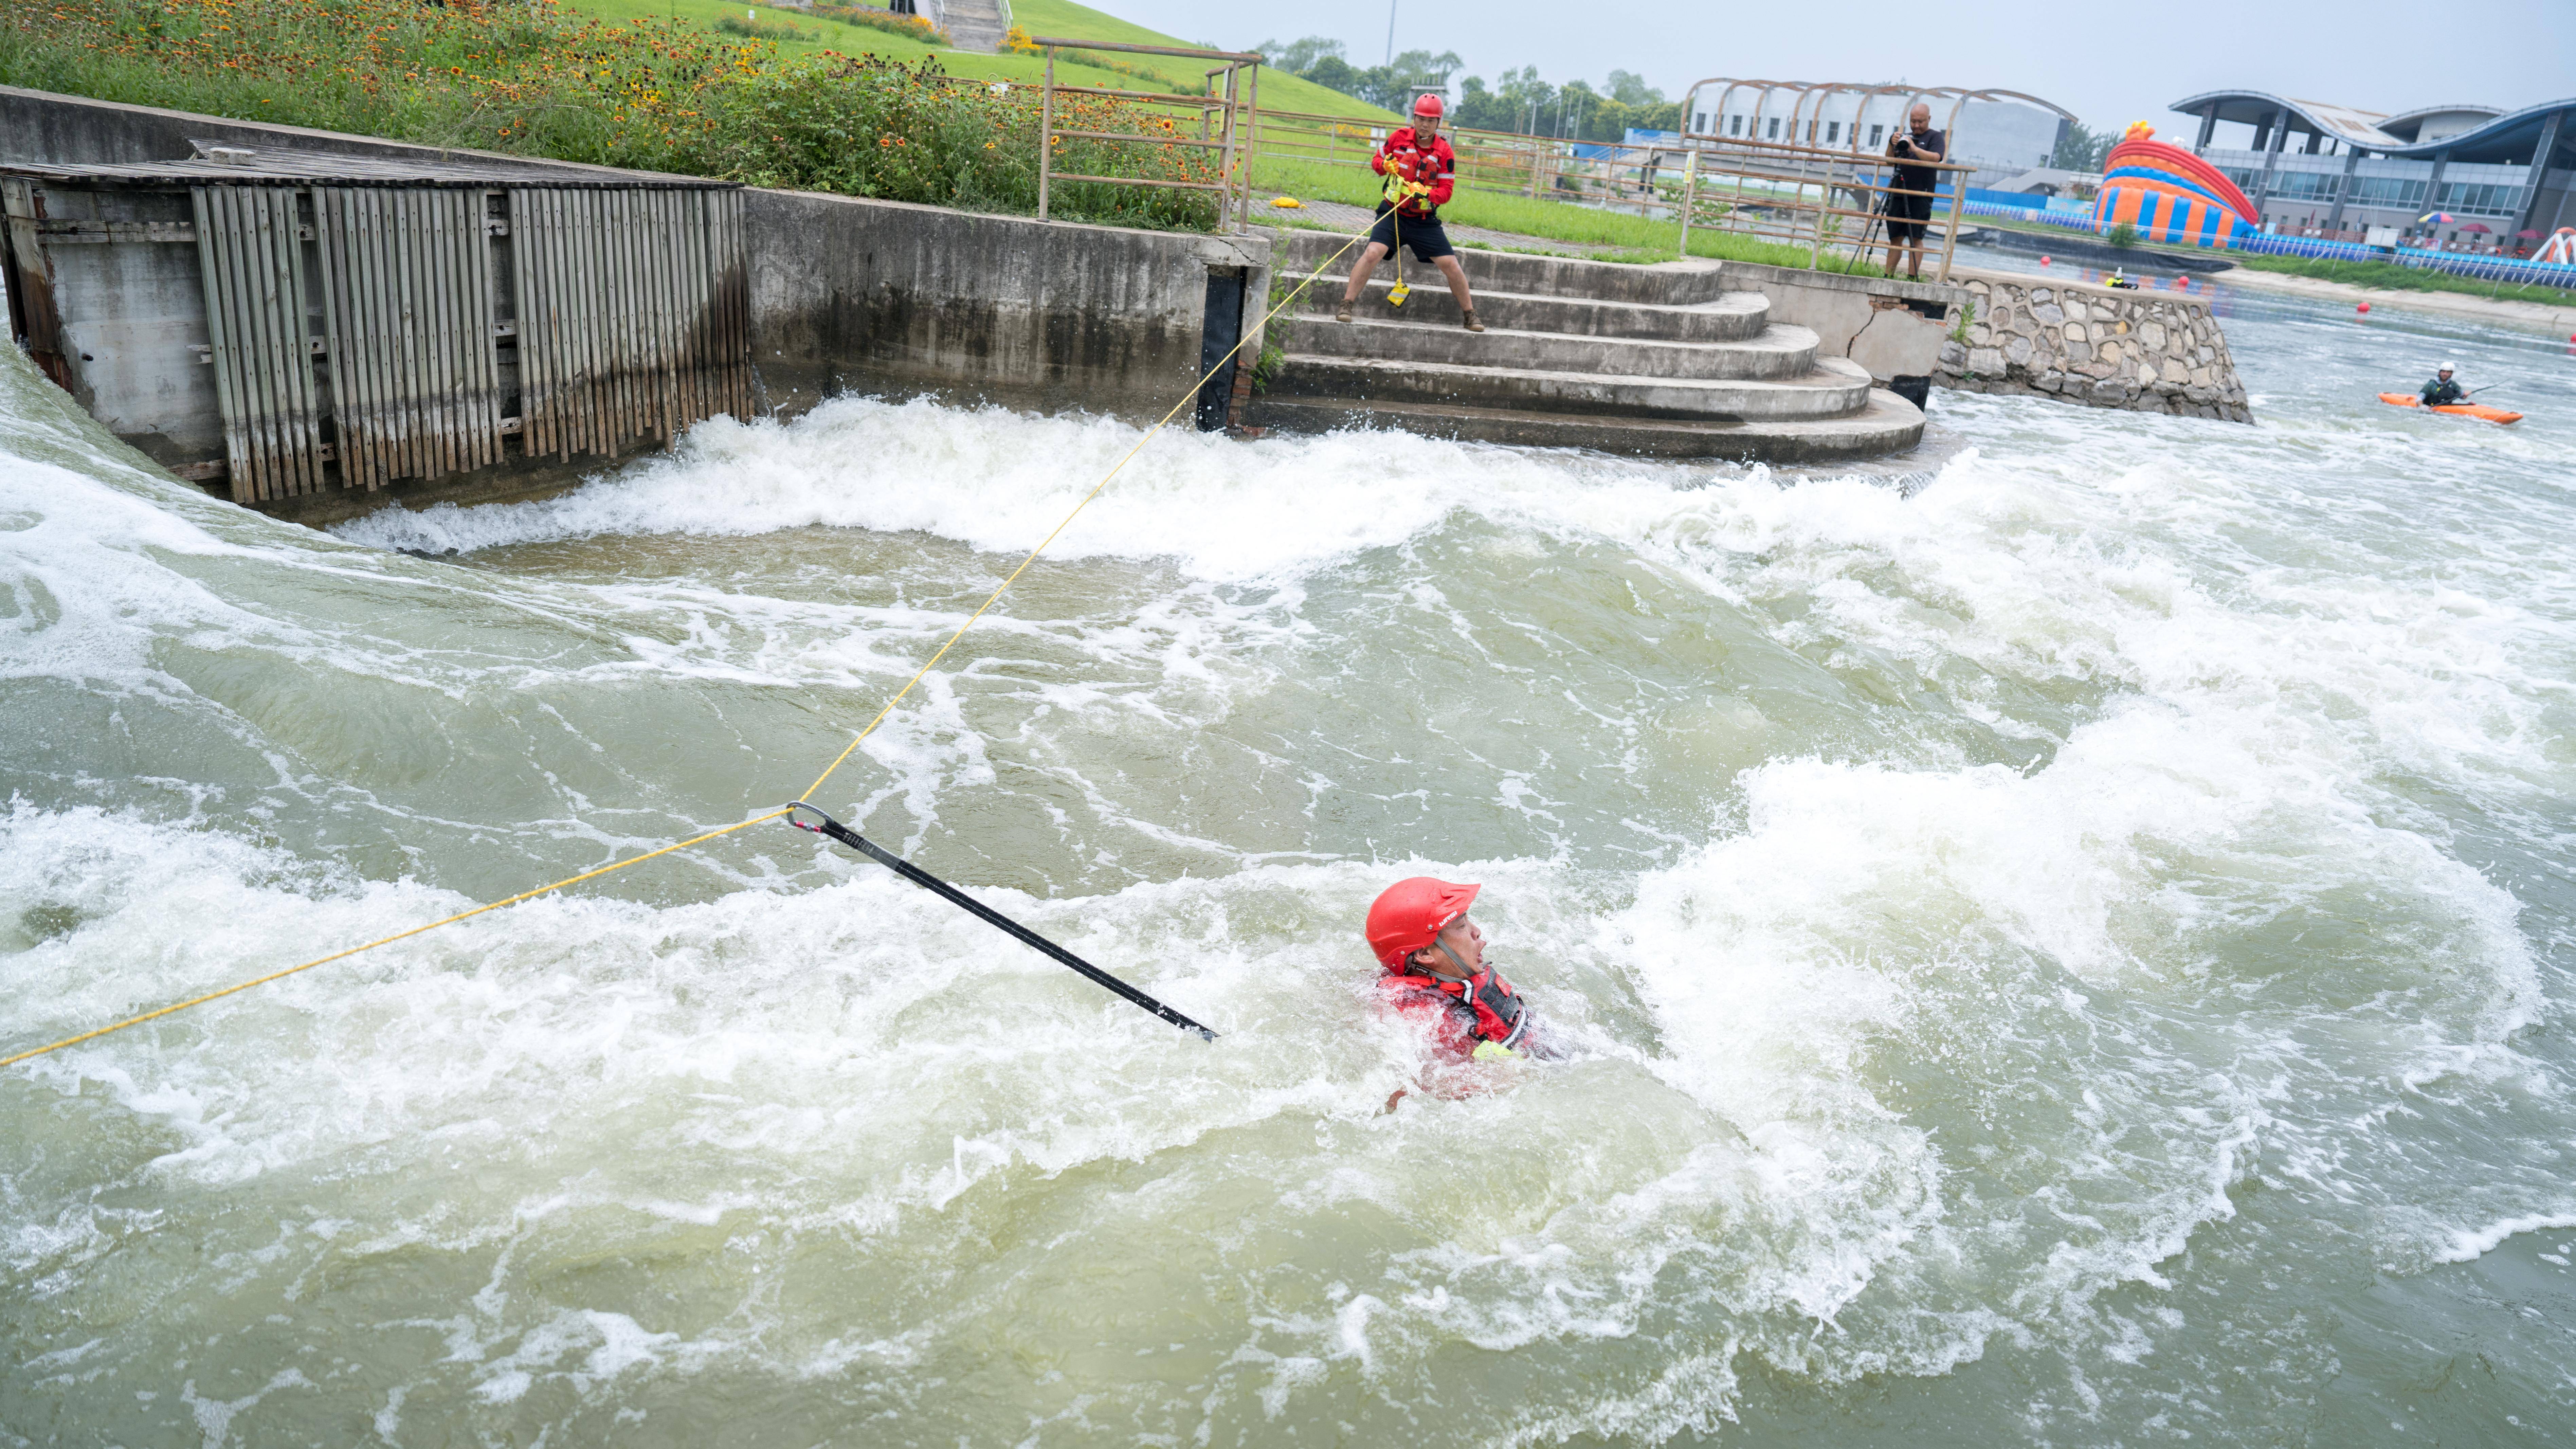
2509, 138
1820, 91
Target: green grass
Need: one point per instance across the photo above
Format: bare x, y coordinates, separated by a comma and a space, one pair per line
2389, 276
1280, 91
1638, 239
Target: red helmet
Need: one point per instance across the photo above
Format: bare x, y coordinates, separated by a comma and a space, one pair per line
1427, 105
1409, 913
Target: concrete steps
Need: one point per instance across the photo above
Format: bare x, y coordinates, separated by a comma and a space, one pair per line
1661, 361
1889, 424
974, 25
1778, 352
1731, 317
1666, 283
1833, 387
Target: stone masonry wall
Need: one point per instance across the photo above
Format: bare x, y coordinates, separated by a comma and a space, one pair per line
2147, 351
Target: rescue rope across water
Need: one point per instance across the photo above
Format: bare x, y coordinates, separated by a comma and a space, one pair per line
947, 891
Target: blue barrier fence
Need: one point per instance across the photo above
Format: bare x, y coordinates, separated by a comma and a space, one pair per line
2485, 269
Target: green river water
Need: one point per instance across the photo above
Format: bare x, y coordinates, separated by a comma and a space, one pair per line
2073, 950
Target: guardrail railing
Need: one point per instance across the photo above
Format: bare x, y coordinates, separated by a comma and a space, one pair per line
1824, 200
1223, 121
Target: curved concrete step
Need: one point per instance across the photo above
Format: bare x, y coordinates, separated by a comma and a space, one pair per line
1836, 387
1779, 352
1731, 317
1886, 424
1675, 283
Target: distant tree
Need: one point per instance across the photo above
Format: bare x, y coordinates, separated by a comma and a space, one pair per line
1298, 57
1336, 74
2082, 148
1630, 89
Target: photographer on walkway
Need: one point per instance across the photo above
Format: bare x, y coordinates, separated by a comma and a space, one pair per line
1419, 167
1908, 205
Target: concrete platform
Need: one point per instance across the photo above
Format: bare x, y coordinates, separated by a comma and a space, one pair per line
1886, 425
1779, 352
1834, 387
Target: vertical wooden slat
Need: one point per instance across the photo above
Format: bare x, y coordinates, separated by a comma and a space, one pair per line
339, 339
541, 273
487, 347
402, 342
385, 298
616, 273
296, 315
524, 307
367, 275
602, 400
577, 324
221, 343
694, 310
474, 263
738, 267
243, 241
438, 294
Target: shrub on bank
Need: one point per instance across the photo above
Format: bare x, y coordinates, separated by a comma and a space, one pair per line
648, 93
763, 30
910, 27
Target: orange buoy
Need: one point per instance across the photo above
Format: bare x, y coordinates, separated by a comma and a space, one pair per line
2361, 307
2043, 259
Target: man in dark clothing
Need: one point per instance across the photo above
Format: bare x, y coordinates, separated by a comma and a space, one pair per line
2442, 390
1419, 167
1909, 198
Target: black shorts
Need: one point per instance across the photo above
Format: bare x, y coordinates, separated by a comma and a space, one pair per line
1428, 241
1909, 214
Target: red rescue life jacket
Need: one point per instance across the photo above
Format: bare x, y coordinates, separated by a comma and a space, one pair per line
1484, 1005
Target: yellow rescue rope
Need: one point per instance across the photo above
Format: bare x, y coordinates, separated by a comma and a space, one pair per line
810, 790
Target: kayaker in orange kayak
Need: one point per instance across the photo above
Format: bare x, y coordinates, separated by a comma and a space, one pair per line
2443, 391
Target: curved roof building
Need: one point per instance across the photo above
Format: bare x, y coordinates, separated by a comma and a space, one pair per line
2316, 166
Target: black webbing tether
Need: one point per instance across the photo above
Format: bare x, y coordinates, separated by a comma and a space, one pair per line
955, 897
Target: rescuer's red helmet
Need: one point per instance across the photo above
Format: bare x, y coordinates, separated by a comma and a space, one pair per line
1427, 105
1409, 913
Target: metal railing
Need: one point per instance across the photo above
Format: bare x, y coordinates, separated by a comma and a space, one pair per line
1225, 121
1826, 201
1821, 198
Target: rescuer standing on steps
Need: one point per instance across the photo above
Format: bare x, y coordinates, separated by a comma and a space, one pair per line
1419, 165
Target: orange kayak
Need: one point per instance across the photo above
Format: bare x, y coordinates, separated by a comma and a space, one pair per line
2466, 410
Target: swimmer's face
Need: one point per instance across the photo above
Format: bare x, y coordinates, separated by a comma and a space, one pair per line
1464, 942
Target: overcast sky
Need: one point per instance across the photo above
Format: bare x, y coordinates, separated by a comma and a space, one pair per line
2369, 54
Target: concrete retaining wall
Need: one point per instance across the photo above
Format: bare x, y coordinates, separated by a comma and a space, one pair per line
847, 295
888, 297
1894, 328
2148, 351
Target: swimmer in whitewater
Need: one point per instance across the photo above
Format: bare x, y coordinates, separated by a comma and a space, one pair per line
1435, 974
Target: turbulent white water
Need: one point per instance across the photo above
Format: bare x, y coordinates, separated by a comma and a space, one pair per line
2074, 955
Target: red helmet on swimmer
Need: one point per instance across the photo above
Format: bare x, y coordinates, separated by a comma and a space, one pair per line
1407, 914
1426, 107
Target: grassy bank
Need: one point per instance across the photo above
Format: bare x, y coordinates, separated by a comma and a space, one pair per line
1629, 238
2391, 277
653, 92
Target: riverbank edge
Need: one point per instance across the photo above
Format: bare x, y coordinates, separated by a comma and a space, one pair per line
2537, 316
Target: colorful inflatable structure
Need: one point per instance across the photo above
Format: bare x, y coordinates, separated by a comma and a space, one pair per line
2169, 194
2561, 247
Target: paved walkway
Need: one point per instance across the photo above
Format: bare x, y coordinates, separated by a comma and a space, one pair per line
1346, 218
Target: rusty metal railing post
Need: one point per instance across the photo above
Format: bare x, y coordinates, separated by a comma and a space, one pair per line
1690, 190
1046, 133
1251, 135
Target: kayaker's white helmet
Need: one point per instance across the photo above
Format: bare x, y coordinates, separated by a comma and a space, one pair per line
2450, 367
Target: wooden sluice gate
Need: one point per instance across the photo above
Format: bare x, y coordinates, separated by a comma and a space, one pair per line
340, 323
